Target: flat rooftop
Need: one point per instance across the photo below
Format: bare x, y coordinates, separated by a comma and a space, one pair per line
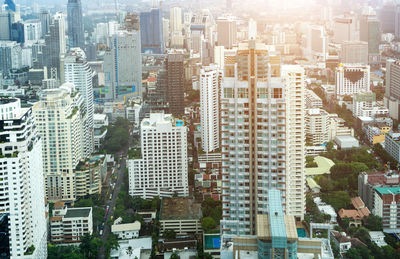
78, 212
180, 208
388, 190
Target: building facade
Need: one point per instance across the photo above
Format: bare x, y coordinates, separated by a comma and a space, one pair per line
123, 66
22, 185
151, 29
175, 81
78, 72
163, 167
58, 119
210, 89
76, 36
352, 79
262, 139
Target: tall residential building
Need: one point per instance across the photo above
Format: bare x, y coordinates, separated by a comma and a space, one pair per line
317, 126
397, 21
344, 29
45, 19
226, 30
123, 66
10, 56
78, 72
22, 188
387, 17
76, 35
262, 139
55, 46
175, 81
162, 168
352, 79
210, 90
17, 32
354, 52
32, 30
151, 30
392, 88
59, 118
6, 19
252, 29
175, 19
370, 32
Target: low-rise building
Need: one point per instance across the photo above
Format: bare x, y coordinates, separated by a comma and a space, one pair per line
342, 241
378, 237
346, 142
68, 225
376, 132
139, 248
126, 231
181, 215
355, 215
365, 105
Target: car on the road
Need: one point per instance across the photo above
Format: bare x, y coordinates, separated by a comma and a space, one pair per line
101, 232
110, 196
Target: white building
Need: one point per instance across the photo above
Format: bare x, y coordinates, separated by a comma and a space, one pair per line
312, 99
59, 118
162, 169
126, 231
352, 79
22, 185
68, 225
317, 126
175, 19
78, 72
262, 140
365, 105
100, 129
32, 31
210, 89
252, 29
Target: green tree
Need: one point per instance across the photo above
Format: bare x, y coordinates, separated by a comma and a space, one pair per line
338, 200
111, 243
174, 256
169, 234
208, 223
373, 223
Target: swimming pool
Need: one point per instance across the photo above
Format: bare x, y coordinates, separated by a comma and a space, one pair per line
301, 232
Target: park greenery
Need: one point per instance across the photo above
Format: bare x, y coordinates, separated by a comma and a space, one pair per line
310, 162
117, 136
344, 174
212, 214
88, 248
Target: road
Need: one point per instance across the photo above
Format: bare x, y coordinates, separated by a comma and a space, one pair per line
111, 203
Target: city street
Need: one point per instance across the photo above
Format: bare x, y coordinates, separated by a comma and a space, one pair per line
111, 203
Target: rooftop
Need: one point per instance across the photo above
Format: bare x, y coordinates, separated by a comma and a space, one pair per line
126, 227
180, 208
59, 204
78, 212
388, 190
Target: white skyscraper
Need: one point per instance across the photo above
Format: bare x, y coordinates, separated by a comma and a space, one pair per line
352, 79
22, 183
123, 66
78, 72
60, 116
210, 89
252, 29
162, 169
59, 20
262, 140
175, 19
